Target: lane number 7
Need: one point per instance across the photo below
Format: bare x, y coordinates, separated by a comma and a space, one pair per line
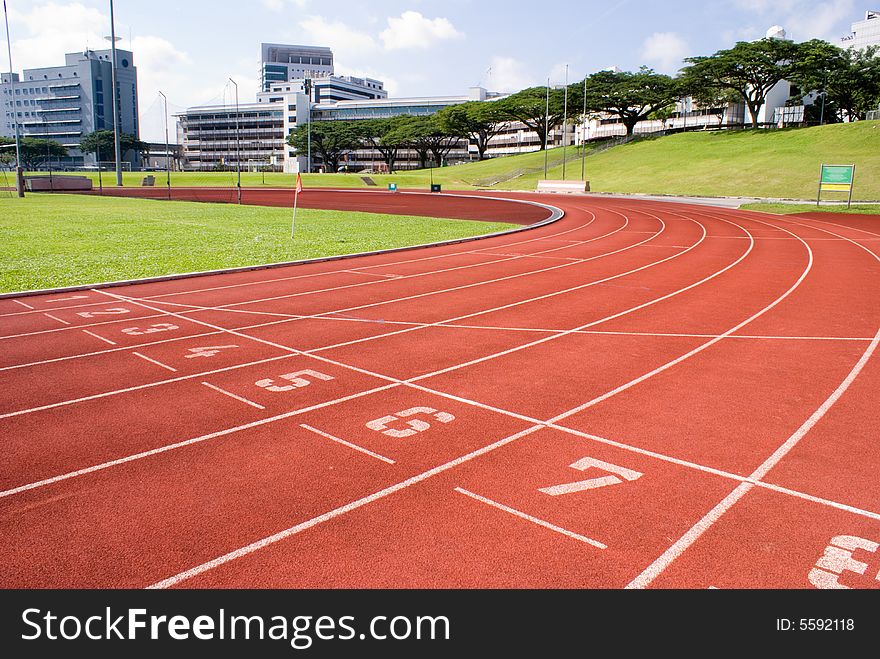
622, 474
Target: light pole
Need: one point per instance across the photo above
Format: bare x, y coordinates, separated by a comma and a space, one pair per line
546, 127
565, 123
167, 150
308, 90
237, 141
584, 136
19, 182
116, 144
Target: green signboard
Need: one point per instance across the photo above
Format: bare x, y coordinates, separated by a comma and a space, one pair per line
840, 174
836, 178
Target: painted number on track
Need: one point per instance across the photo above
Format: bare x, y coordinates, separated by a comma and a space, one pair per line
207, 351
152, 329
622, 474
297, 381
838, 558
414, 426
106, 312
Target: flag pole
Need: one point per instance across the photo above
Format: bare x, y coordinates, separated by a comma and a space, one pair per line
295, 202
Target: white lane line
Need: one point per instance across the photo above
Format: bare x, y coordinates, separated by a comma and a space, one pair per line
336, 512
348, 444
810, 423
188, 442
533, 520
682, 544
153, 361
53, 318
149, 385
372, 274
654, 570
112, 343
26, 306
232, 395
191, 308
695, 351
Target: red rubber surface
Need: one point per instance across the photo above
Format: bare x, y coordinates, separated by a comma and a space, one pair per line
642, 394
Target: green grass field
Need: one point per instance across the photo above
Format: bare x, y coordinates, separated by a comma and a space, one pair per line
796, 209
64, 240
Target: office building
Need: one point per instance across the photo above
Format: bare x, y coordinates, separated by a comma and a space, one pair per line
864, 33
281, 63
64, 103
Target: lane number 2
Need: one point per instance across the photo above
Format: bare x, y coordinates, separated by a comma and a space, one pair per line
414, 426
621, 474
297, 381
838, 558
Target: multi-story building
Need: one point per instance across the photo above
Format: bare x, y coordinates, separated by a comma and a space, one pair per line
864, 33
64, 103
281, 63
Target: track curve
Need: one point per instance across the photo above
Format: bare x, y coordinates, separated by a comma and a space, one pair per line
641, 394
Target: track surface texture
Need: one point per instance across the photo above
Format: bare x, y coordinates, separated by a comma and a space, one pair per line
640, 395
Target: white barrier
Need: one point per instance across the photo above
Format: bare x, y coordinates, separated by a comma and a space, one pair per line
564, 186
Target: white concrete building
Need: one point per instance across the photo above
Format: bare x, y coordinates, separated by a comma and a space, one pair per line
864, 33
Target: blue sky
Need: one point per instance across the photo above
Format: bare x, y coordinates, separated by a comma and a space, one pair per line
189, 48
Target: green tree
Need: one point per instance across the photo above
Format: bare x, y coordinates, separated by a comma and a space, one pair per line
35, 152
478, 120
427, 135
330, 139
529, 107
848, 79
750, 70
383, 136
631, 96
7, 150
102, 144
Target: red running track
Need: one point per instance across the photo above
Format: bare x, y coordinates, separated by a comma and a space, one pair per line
639, 395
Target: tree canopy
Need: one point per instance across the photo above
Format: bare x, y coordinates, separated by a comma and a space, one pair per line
102, 143
34, 151
478, 120
529, 107
849, 79
750, 70
632, 97
330, 139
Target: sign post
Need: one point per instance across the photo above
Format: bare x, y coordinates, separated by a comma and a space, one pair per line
836, 178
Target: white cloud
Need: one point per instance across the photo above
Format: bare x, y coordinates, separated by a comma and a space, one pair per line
345, 41
53, 30
281, 5
665, 50
412, 30
508, 75
803, 19
392, 84
820, 22
765, 6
